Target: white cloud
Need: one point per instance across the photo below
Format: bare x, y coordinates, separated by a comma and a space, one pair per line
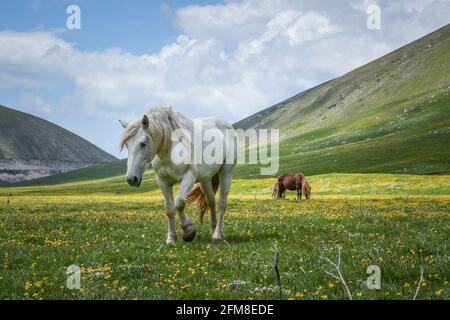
288, 28
26, 58
231, 22
411, 6
230, 59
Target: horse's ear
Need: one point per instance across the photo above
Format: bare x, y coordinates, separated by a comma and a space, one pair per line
145, 121
123, 123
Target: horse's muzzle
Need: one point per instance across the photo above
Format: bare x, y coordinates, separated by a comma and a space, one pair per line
134, 181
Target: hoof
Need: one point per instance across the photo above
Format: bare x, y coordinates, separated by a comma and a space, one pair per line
217, 237
171, 241
189, 233
189, 237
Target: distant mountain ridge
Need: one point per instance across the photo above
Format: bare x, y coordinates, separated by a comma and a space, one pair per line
31, 147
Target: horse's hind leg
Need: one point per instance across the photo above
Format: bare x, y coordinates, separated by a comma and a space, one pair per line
208, 191
299, 194
225, 176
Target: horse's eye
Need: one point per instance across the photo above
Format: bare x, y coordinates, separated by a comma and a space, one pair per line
143, 144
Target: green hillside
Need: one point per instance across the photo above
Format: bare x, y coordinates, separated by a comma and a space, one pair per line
329, 185
97, 172
389, 116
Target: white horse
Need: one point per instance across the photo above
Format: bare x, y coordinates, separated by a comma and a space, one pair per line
150, 140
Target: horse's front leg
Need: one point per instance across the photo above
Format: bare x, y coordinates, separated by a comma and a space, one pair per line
170, 206
180, 203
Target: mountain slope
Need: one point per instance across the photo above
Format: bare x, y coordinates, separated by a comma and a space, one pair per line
391, 115
31, 147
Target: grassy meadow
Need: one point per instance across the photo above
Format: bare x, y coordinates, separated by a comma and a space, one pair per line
390, 116
116, 235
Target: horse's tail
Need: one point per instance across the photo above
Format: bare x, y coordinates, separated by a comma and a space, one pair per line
196, 196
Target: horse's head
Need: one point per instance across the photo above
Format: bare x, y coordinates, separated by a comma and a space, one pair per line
141, 149
308, 192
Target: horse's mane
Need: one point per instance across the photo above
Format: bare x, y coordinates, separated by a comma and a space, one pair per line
162, 122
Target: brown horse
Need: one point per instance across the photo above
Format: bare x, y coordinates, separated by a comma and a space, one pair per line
294, 182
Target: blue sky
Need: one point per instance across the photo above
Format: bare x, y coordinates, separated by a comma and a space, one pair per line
139, 26
205, 58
